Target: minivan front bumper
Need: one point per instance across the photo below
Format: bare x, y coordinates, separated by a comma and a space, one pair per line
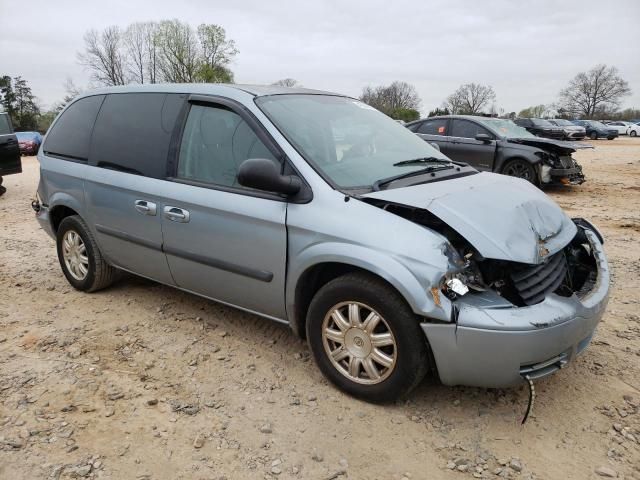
492, 345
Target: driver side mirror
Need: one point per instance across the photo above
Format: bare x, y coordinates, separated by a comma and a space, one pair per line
483, 137
264, 174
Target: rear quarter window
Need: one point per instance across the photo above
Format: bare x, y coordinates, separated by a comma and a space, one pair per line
70, 135
133, 132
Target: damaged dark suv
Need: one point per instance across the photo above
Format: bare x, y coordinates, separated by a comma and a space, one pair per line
501, 146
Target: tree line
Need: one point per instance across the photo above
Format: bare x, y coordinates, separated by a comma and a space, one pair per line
154, 52
176, 52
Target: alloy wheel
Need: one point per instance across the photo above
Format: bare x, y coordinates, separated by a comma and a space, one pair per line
519, 170
359, 343
74, 253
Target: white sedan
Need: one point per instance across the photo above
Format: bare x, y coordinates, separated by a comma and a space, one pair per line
633, 130
622, 127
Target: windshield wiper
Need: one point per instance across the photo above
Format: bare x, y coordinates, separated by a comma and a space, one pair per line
432, 168
418, 161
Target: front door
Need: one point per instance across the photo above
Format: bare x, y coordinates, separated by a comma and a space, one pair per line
222, 240
464, 147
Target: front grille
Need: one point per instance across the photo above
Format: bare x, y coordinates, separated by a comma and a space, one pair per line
533, 283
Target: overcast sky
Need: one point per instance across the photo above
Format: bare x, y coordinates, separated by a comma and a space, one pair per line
526, 50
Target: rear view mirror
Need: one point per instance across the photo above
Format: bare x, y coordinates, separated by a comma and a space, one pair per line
483, 137
264, 174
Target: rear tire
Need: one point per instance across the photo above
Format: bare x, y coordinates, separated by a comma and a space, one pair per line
377, 351
80, 258
593, 136
520, 168
632, 133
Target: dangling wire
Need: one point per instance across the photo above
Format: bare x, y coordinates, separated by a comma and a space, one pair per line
532, 398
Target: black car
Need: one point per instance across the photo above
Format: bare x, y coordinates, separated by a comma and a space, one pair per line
597, 130
9, 151
541, 127
501, 146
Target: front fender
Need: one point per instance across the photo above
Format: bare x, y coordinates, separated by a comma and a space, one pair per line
413, 284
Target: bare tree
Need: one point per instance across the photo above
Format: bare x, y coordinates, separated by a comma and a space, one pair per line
599, 89
149, 52
394, 97
178, 52
152, 53
71, 92
470, 99
104, 56
287, 82
135, 40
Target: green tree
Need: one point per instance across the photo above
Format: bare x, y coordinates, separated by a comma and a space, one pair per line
287, 82
405, 114
19, 102
537, 111
395, 99
439, 111
8, 96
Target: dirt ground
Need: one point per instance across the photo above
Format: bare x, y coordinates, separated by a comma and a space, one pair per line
141, 381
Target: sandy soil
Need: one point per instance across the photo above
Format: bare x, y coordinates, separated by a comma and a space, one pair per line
142, 381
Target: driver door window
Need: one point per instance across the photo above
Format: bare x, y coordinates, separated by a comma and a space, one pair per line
215, 142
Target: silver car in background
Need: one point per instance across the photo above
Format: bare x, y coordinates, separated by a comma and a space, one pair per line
316, 210
571, 130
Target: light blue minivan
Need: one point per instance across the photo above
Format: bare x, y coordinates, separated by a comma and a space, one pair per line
316, 210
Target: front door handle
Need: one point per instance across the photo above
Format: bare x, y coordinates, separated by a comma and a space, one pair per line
176, 214
146, 208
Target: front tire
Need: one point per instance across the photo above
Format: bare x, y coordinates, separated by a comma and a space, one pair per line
80, 258
632, 133
593, 136
365, 338
520, 168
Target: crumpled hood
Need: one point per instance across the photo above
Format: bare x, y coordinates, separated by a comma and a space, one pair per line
502, 217
558, 146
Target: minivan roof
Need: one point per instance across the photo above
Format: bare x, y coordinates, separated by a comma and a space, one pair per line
207, 89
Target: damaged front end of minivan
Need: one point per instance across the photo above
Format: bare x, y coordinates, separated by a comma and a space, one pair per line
526, 287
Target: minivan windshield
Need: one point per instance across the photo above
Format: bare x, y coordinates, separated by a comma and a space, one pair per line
350, 142
505, 128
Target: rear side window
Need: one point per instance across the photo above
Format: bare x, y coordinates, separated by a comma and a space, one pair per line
133, 132
5, 126
467, 129
70, 136
434, 127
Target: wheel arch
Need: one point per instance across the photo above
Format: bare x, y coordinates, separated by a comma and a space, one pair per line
308, 278
62, 205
